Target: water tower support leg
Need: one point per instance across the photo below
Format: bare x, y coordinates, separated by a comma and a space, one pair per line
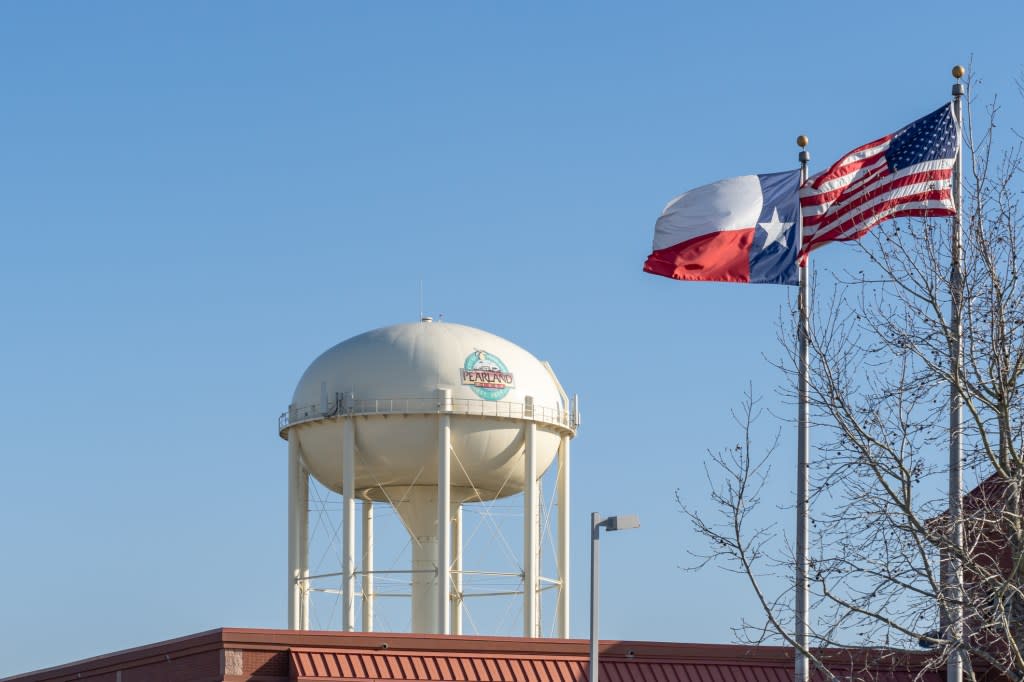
298, 548
562, 490
367, 566
457, 568
303, 546
530, 542
348, 517
444, 514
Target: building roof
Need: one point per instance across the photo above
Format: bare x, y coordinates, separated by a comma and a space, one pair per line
245, 655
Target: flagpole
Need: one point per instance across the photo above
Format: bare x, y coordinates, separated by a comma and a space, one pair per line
954, 574
801, 672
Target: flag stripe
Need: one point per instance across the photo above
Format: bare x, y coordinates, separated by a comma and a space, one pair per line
931, 204
836, 189
729, 204
847, 170
893, 194
901, 185
719, 256
815, 205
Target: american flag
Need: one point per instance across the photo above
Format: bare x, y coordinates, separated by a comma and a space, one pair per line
907, 173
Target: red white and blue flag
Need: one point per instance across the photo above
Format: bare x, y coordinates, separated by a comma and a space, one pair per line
908, 173
742, 229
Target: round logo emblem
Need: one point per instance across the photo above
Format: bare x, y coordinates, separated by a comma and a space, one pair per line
487, 375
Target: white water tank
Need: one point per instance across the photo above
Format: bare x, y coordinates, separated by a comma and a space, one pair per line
389, 378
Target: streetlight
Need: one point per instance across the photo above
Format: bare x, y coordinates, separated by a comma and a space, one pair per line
622, 522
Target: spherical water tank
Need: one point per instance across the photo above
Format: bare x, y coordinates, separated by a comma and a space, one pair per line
393, 382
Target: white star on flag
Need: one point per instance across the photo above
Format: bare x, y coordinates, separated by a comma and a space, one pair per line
776, 230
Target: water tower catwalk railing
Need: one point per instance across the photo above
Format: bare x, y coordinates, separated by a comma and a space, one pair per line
437, 571
566, 418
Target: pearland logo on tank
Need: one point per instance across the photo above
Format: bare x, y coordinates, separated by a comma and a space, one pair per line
487, 375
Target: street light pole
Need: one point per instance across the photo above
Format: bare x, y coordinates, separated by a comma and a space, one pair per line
622, 522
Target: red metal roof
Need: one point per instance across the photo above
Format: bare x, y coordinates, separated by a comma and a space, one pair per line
353, 665
244, 655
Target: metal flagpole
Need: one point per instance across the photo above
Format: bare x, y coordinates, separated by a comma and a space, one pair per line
801, 672
954, 573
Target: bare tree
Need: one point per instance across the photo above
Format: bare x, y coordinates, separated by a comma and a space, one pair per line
881, 343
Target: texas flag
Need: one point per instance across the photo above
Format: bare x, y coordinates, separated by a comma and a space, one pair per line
741, 229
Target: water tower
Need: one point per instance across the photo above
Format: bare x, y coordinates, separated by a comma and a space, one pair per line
427, 417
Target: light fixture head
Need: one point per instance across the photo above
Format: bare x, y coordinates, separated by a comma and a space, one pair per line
623, 522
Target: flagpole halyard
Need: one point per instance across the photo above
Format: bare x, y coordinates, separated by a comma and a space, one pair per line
801, 672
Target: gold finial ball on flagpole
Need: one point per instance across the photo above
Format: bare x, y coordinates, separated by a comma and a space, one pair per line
958, 71
802, 140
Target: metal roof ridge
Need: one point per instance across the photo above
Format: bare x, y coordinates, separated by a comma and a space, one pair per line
179, 646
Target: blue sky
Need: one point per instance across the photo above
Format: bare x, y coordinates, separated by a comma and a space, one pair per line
198, 199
